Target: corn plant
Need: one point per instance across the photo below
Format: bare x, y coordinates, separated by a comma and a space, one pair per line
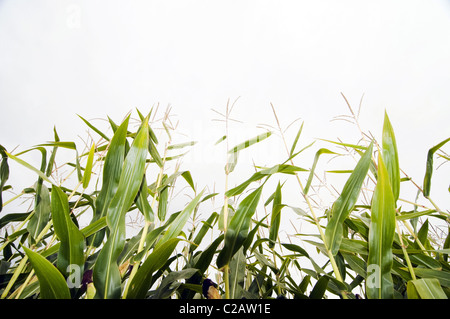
365, 245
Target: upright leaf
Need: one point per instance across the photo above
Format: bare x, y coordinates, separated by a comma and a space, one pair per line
88, 168
180, 221
41, 213
237, 230
390, 156
106, 275
275, 218
379, 283
4, 173
237, 274
51, 281
110, 177
346, 202
71, 250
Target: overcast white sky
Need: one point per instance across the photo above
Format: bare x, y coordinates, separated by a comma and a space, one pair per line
99, 58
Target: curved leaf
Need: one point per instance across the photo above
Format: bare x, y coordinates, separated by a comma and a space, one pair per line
71, 250
51, 281
143, 278
237, 230
346, 202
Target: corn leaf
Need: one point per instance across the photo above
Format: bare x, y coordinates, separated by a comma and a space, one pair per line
30, 167
311, 172
275, 219
427, 288
88, 169
71, 251
429, 169
51, 281
94, 128
143, 278
237, 230
4, 173
250, 142
179, 222
110, 180
390, 156
381, 236
41, 214
106, 275
283, 168
346, 202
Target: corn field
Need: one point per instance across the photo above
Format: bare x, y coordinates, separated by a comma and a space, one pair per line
72, 237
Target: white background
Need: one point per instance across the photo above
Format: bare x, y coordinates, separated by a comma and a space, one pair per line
105, 58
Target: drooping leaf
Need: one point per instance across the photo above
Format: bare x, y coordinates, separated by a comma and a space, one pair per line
283, 168
346, 202
381, 236
51, 281
429, 169
313, 168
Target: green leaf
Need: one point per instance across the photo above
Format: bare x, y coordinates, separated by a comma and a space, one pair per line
94, 128
429, 169
427, 288
381, 237
296, 140
390, 156
88, 168
4, 173
283, 168
275, 219
106, 275
179, 222
30, 167
143, 278
442, 276
311, 172
41, 213
346, 202
71, 251
250, 142
237, 230
110, 178
319, 288
237, 275
142, 202
51, 281
162, 203
207, 225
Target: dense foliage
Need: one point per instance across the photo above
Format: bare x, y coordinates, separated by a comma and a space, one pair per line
369, 247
